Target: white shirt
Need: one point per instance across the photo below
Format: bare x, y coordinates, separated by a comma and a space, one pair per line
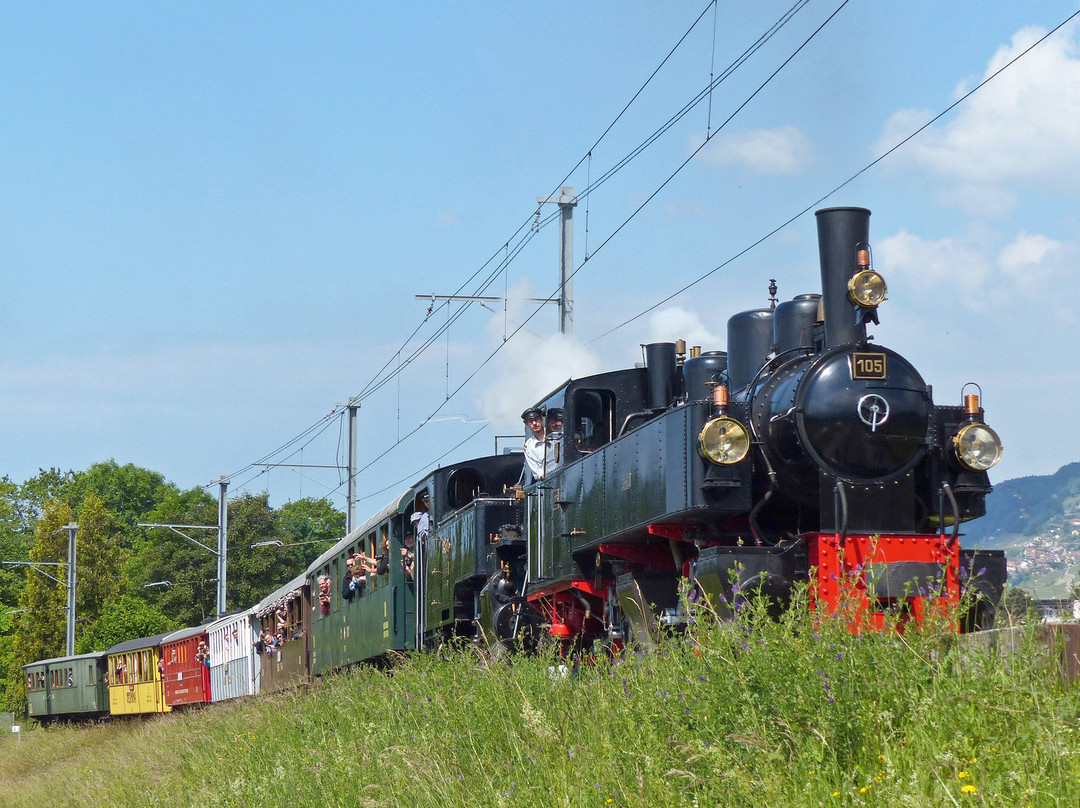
542, 455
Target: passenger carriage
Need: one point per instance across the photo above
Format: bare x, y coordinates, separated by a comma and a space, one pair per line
135, 686
186, 677
67, 687
286, 610
233, 662
380, 616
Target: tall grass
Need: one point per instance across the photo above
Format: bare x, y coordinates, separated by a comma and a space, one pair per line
748, 712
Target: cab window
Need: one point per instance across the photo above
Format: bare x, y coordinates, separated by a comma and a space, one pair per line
594, 419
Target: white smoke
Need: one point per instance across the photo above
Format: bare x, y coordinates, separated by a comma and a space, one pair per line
529, 365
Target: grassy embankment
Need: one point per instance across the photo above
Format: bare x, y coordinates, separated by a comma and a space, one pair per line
743, 713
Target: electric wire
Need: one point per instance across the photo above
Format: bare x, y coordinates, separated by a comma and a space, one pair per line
377, 383
655, 192
906, 139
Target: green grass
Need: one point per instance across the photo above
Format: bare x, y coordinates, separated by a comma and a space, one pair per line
795, 713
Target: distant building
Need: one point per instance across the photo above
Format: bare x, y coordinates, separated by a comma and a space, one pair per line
1059, 610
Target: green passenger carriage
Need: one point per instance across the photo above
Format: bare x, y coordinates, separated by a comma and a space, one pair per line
69, 687
379, 617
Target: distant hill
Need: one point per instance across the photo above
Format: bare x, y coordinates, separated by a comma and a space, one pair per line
1026, 506
1036, 520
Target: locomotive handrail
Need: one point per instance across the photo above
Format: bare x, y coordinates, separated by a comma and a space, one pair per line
841, 500
947, 490
629, 418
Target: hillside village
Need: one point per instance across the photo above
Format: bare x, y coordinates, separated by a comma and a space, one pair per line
1047, 563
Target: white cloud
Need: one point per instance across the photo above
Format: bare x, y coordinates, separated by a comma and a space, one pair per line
784, 150
1019, 270
1020, 128
1030, 259
946, 261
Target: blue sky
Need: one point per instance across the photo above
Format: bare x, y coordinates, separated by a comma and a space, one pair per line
214, 220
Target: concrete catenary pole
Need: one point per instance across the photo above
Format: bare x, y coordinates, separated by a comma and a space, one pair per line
350, 515
223, 544
71, 529
566, 202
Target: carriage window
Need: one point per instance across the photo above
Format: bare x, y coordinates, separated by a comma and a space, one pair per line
325, 589
594, 419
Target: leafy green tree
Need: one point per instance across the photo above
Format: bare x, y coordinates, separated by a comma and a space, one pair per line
266, 548
255, 571
99, 561
126, 618
51, 485
1018, 605
15, 542
190, 596
12, 686
43, 624
129, 492
312, 526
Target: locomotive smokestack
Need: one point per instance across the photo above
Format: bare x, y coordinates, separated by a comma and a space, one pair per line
841, 233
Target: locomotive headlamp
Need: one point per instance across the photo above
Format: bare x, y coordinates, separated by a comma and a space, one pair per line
723, 441
867, 288
977, 446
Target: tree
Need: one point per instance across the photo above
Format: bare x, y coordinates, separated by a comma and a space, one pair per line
42, 626
1018, 605
51, 485
288, 540
312, 526
15, 543
126, 618
191, 571
256, 571
129, 492
99, 561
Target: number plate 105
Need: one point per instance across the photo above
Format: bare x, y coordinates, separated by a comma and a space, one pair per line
868, 366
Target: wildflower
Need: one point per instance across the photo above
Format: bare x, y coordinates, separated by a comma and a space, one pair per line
962, 775
881, 758
969, 789
836, 793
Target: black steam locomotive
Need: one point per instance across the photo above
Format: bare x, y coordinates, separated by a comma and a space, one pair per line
805, 453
